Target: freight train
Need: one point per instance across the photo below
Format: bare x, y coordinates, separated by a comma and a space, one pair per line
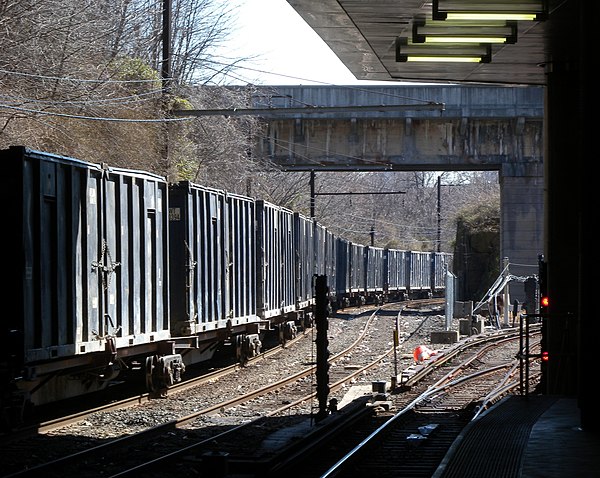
116, 271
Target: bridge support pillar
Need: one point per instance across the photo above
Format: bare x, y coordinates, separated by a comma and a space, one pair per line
521, 225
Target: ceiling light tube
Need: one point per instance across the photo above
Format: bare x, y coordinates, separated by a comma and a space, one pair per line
490, 10
436, 39
440, 59
432, 31
449, 52
492, 16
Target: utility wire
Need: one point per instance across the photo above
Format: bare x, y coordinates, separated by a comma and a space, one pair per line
74, 80
94, 118
116, 101
356, 88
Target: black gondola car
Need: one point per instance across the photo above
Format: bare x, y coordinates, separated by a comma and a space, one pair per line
118, 271
90, 279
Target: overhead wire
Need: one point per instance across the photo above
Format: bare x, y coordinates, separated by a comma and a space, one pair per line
77, 80
283, 144
105, 101
350, 87
95, 118
222, 72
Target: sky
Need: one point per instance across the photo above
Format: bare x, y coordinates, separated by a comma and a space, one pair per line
283, 43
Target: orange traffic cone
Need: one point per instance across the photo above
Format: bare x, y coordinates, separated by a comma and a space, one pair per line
422, 353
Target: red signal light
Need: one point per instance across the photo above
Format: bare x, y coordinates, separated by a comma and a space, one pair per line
545, 357
544, 301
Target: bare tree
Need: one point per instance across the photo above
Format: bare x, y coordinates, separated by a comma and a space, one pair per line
84, 79
402, 221
60, 93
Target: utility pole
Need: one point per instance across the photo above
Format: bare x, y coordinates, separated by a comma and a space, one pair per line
166, 75
166, 44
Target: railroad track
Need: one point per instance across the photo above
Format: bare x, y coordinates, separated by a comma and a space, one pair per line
234, 448
51, 424
411, 436
141, 398
169, 425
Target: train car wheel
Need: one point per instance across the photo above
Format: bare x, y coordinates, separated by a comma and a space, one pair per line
150, 368
239, 340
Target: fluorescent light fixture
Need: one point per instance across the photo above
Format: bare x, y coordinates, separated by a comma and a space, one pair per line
439, 59
454, 31
406, 50
527, 10
465, 39
492, 16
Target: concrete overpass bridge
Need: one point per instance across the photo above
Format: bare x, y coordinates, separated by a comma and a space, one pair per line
421, 128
